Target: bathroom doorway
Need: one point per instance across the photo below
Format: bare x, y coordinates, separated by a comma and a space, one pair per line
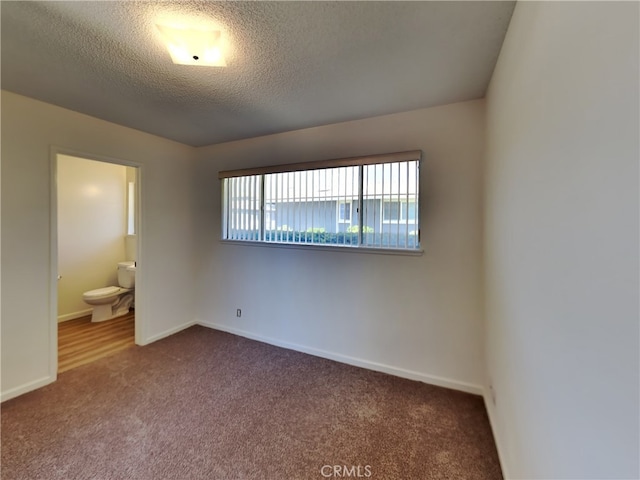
95, 253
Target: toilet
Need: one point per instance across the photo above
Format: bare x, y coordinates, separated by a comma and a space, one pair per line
111, 302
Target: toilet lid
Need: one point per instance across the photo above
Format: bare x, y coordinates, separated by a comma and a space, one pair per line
101, 292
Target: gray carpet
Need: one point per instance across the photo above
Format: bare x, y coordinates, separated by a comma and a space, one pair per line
208, 405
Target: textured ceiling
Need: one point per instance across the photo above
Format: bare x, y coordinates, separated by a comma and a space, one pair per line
291, 65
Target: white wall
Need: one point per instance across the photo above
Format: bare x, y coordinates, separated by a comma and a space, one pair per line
91, 229
419, 317
165, 289
562, 241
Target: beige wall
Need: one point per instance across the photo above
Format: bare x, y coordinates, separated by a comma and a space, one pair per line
91, 229
415, 316
164, 293
562, 242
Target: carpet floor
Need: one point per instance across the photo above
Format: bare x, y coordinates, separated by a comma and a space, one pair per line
203, 404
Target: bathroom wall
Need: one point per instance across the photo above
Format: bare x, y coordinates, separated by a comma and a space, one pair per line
91, 229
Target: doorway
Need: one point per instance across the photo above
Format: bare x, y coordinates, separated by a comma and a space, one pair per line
95, 243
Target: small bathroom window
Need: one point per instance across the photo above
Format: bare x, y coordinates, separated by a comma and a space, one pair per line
131, 208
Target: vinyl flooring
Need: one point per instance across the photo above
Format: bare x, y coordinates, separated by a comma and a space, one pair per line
81, 342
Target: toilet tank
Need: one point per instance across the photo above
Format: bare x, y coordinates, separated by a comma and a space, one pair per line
126, 278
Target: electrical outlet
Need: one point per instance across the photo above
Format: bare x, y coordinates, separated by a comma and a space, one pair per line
493, 394
239, 314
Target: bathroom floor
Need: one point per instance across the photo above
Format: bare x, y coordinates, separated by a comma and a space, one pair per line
81, 342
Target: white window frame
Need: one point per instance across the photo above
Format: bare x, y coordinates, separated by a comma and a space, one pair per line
363, 238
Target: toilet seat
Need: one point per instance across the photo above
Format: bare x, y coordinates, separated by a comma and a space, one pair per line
104, 292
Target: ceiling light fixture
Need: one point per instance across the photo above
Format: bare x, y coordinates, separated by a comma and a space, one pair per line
193, 47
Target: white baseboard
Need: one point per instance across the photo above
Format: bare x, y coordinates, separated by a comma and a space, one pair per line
357, 362
74, 315
27, 387
491, 413
167, 333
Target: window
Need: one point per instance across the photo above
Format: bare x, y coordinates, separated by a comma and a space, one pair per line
131, 208
402, 211
359, 202
344, 211
244, 203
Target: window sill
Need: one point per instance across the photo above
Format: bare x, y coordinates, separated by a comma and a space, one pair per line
326, 248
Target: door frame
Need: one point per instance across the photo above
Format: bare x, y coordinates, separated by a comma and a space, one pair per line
140, 319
